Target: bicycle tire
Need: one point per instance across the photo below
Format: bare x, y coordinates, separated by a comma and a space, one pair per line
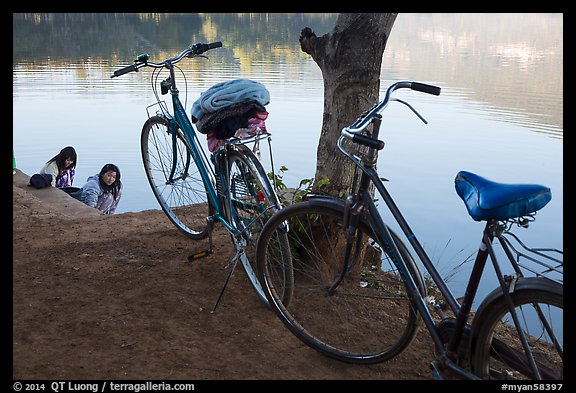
368, 318
184, 200
496, 351
252, 202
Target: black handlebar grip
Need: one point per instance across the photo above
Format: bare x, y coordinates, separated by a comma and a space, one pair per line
125, 70
217, 44
201, 48
367, 141
425, 88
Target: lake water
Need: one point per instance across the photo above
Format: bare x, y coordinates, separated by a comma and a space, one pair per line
500, 113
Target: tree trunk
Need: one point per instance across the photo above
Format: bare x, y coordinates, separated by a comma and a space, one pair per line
350, 58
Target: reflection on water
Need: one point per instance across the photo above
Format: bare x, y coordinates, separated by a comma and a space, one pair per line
500, 112
510, 62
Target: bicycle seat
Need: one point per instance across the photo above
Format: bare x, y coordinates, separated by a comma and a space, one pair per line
486, 199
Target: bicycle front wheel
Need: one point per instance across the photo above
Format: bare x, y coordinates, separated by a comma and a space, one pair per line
252, 203
175, 178
497, 352
365, 316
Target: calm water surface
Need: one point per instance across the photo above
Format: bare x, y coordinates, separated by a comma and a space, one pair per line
499, 115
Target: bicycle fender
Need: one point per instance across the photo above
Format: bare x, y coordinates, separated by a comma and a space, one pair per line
324, 200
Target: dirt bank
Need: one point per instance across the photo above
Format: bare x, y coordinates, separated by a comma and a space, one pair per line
114, 297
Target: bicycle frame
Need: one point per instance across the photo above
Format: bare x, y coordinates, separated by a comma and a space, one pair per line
384, 236
181, 120
461, 311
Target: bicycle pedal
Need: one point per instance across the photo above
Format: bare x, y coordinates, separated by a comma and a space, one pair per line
199, 254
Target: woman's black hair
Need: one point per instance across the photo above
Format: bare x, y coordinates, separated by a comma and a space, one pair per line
115, 187
60, 158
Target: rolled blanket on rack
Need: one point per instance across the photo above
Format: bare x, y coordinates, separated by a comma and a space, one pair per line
227, 120
227, 93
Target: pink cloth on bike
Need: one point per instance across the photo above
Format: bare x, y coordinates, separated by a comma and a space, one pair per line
256, 125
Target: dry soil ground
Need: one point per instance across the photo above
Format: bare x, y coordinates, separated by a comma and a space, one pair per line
113, 297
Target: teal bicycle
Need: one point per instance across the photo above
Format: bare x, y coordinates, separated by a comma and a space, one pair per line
195, 191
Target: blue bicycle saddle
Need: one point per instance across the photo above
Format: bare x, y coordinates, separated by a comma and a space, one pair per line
486, 199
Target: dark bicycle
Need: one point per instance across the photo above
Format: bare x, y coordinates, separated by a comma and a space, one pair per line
358, 295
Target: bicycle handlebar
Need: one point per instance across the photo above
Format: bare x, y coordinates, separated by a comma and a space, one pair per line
201, 48
367, 141
125, 70
424, 88
142, 60
353, 130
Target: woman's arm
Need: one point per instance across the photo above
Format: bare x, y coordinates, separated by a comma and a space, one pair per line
90, 192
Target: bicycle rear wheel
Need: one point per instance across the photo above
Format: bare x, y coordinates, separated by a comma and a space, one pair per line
367, 318
252, 203
497, 352
183, 197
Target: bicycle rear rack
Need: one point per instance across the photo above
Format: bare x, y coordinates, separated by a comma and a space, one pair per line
543, 262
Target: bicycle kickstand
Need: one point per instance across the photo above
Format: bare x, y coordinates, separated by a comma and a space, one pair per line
232, 261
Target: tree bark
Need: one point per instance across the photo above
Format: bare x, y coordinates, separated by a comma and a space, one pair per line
350, 58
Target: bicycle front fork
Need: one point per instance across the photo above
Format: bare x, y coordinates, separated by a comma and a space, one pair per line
352, 213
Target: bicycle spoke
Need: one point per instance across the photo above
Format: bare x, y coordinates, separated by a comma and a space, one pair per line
499, 353
367, 318
183, 196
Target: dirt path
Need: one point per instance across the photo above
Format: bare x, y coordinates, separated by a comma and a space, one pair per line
113, 297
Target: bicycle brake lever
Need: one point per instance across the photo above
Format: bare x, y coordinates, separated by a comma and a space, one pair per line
410, 106
193, 55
